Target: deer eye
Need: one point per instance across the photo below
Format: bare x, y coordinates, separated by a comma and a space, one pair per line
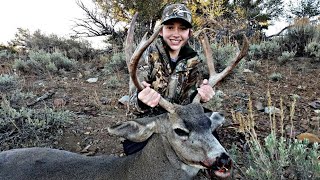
181, 132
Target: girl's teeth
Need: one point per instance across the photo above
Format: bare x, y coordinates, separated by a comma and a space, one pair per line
175, 41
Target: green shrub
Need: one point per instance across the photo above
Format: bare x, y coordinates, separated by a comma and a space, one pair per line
8, 82
274, 157
298, 36
40, 57
216, 101
41, 62
113, 82
280, 158
222, 55
275, 76
20, 65
72, 48
25, 127
313, 48
51, 67
252, 64
285, 57
254, 52
62, 62
264, 50
18, 99
35, 66
270, 49
116, 63
6, 55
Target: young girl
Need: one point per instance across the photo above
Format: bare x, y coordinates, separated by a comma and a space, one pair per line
173, 69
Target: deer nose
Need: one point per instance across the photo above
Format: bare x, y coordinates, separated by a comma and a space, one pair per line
223, 163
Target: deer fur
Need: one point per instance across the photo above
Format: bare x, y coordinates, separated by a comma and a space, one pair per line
181, 145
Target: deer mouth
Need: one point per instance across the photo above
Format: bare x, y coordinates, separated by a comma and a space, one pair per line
220, 168
222, 172
214, 170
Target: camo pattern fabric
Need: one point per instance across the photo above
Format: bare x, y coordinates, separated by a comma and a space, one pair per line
177, 85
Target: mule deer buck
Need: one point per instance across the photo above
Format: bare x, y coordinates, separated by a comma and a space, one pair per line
182, 143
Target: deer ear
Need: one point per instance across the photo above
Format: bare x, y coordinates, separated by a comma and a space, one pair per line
133, 130
216, 119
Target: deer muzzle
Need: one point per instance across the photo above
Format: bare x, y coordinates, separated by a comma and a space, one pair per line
221, 167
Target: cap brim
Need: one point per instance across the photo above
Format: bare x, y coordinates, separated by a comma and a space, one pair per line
185, 22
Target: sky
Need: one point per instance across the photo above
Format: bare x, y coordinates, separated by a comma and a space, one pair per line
51, 17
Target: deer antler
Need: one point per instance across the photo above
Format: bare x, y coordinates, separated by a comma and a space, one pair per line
135, 60
129, 40
216, 77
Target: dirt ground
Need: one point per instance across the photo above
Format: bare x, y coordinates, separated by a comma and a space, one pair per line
96, 104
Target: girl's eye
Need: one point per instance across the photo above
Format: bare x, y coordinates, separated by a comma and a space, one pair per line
181, 132
183, 28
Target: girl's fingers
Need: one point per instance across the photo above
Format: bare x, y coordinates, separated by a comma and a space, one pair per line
145, 84
155, 100
206, 92
149, 97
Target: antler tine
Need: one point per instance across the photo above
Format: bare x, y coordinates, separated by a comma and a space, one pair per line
216, 77
134, 64
129, 40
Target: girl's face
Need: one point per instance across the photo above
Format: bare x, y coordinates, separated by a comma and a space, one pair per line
175, 34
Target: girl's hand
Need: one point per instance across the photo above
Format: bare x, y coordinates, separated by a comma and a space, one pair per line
148, 95
206, 91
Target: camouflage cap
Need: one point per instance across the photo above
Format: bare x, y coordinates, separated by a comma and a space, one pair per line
176, 11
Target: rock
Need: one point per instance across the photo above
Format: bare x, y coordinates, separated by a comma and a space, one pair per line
59, 103
316, 119
39, 84
258, 105
86, 73
294, 96
315, 104
104, 100
272, 110
247, 71
302, 87
124, 100
92, 80
309, 136
288, 131
80, 75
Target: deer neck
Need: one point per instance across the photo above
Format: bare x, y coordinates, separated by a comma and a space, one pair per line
159, 155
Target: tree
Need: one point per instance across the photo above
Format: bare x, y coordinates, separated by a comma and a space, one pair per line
260, 9
110, 18
98, 21
107, 15
304, 8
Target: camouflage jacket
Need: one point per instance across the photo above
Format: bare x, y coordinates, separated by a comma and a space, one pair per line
175, 81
